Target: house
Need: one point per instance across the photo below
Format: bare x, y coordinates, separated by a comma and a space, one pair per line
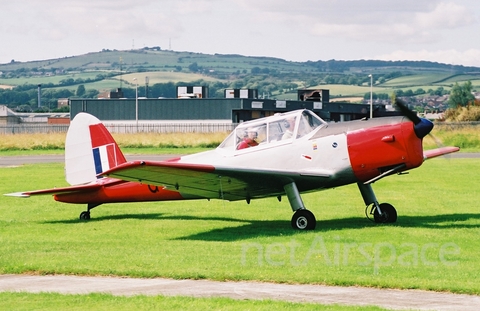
7, 116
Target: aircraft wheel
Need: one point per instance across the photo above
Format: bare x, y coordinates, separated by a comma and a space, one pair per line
389, 214
85, 215
303, 220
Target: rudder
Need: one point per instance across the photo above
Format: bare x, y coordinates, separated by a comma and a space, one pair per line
89, 150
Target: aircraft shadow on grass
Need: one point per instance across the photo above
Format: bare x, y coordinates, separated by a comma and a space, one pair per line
255, 228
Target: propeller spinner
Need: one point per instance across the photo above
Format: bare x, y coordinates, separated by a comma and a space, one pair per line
422, 127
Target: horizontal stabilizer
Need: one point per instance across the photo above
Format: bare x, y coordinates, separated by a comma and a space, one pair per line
428, 154
52, 191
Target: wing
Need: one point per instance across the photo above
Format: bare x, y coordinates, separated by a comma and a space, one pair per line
230, 183
64, 190
428, 154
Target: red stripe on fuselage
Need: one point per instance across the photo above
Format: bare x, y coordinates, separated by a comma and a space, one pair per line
120, 191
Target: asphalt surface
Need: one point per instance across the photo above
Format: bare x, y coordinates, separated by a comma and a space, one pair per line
386, 298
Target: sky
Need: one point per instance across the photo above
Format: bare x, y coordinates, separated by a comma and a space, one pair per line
442, 31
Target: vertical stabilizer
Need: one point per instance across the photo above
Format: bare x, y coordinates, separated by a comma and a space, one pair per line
89, 150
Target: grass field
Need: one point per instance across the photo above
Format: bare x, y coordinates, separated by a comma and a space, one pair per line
52, 302
433, 246
415, 80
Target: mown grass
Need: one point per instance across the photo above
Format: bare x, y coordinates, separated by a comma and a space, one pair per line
416, 80
52, 302
433, 246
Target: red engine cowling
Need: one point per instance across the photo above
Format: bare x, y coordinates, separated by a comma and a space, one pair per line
375, 150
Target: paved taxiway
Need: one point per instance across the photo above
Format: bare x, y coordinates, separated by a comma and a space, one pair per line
387, 298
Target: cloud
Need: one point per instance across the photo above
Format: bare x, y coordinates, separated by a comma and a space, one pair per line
469, 57
409, 21
445, 15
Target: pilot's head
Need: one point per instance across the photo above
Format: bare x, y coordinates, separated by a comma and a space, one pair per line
290, 123
251, 133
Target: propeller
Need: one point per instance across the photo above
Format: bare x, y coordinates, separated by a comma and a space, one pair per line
422, 127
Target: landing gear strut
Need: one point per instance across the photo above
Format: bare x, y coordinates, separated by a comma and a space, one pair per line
302, 219
85, 215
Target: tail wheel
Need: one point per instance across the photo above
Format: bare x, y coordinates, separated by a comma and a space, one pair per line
303, 219
85, 215
389, 214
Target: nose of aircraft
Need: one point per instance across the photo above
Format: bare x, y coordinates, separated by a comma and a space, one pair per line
423, 127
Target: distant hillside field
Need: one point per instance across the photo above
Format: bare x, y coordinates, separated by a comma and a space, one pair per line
272, 77
165, 76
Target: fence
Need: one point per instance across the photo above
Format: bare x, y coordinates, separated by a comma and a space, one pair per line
456, 125
33, 128
123, 128
170, 127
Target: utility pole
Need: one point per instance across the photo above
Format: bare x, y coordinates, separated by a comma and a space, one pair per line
371, 96
39, 90
147, 79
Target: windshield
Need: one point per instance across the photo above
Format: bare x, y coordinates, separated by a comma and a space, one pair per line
284, 127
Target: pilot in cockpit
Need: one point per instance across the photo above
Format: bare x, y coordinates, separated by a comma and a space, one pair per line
290, 127
249, 139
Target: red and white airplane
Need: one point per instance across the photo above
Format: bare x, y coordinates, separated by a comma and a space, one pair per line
285, 154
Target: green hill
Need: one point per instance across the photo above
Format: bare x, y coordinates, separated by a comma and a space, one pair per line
274, 77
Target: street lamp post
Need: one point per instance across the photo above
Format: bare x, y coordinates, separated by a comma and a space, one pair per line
371, 96
136, 102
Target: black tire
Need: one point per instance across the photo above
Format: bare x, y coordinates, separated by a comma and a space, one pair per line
389, 214
85, 215
303, 220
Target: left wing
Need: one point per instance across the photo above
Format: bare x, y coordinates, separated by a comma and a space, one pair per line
209, 181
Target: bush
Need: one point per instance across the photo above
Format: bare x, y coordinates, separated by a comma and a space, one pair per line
463, 114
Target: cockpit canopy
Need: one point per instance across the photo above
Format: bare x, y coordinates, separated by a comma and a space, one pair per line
277, 129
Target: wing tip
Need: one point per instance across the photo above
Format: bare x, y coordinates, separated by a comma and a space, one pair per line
439, 152
18, 194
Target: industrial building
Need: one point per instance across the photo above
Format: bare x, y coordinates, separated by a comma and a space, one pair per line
234, 109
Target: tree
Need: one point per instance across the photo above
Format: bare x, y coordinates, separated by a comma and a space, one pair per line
255, 70
408, 93
367, 96
80, 90
193, 67
419, 91
461, 95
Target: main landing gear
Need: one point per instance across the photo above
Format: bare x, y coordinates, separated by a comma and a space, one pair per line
85, 215
302, 219
382, 213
